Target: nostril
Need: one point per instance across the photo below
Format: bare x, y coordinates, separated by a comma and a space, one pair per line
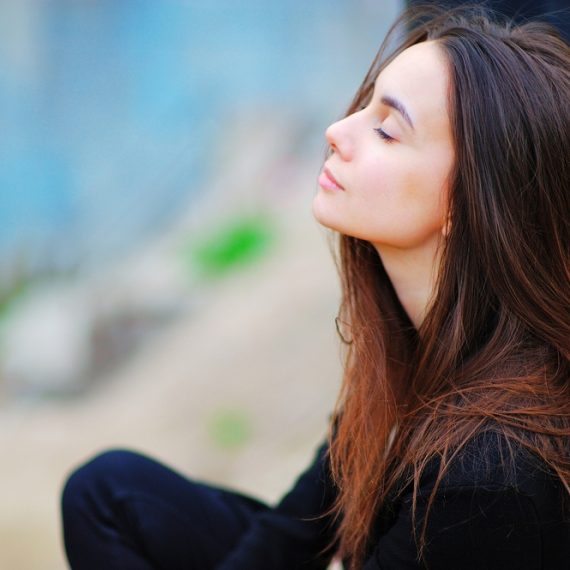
331, 140
338, 140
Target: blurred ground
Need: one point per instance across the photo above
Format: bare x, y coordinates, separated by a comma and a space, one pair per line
261, 347
256, 353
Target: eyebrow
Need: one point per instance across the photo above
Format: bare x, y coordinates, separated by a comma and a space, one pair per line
398, 106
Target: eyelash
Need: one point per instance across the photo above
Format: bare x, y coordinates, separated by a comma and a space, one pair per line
384, 135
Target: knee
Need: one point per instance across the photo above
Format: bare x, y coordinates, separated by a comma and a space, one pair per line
93, 482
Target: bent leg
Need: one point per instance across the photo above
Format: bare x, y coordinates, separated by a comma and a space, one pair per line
123, 510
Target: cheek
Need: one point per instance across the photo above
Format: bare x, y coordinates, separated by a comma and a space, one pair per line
397, 201
402, 203
388, 185
415, 179
433, 186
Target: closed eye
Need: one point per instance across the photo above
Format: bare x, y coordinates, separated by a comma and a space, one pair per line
384, 135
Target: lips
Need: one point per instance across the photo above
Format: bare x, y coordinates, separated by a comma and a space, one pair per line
328, 181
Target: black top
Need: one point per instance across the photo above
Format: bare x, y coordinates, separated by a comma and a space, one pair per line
483, 517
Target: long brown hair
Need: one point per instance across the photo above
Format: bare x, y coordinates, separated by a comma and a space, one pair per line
493, 351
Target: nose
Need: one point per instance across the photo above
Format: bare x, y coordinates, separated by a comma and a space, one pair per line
340, 140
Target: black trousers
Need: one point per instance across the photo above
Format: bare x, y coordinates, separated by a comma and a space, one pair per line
122, 510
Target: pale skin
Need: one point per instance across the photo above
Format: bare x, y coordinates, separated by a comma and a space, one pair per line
393, 193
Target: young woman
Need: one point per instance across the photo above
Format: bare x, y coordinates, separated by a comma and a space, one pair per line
448, 186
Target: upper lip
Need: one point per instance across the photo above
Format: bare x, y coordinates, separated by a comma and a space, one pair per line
330, 175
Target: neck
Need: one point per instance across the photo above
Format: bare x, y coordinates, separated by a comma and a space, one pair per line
413, 273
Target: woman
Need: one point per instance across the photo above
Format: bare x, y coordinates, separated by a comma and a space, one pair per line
448, 185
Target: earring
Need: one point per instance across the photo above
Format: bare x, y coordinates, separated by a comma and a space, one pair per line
446, 228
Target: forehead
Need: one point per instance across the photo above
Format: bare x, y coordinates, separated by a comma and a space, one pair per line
419, 78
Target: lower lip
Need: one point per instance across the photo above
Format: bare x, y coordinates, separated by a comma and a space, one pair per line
326, 183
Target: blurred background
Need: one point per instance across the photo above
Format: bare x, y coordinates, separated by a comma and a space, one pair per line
163, 285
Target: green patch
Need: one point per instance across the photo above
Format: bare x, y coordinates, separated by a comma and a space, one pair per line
236, 244
230, 429
10, 294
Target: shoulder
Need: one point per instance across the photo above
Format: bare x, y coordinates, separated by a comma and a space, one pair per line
490, 464
492, 461
496, 507
501, 492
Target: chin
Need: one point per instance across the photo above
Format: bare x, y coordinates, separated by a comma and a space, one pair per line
323, 214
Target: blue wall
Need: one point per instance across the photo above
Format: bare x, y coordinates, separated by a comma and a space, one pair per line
110, 109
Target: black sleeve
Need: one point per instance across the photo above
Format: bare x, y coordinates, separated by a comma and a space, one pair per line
469, 528
281, 538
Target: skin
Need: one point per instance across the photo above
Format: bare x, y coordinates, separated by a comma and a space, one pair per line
394, 193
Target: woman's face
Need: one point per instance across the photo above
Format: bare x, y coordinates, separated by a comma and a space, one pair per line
392, 191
